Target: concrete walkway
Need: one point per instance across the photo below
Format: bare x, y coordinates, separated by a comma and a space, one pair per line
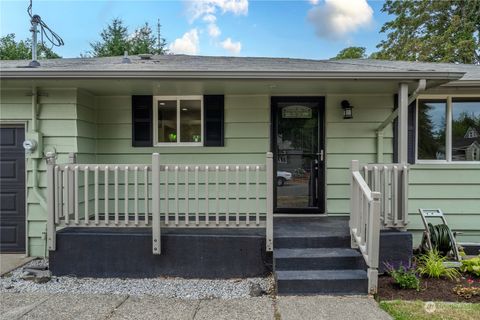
11, 261
87, 307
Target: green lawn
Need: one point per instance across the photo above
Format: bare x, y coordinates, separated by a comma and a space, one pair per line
415, 310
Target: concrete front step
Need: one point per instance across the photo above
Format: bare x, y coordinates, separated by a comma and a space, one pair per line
312, 241
331, 282
317, 259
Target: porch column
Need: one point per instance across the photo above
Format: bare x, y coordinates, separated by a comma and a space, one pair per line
403, 123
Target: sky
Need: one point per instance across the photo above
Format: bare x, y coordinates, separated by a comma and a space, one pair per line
313, 29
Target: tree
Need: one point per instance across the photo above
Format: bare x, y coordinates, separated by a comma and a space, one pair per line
143, 41
431, 30
22, 50
351, 53
116, 40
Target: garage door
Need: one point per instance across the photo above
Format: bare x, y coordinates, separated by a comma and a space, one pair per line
12, 189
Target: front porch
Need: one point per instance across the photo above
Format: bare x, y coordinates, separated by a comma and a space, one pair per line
217, 221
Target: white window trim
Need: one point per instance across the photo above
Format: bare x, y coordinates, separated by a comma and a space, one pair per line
156, 99
448, 129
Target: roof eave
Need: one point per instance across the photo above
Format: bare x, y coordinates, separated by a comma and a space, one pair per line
462, 83
148, 74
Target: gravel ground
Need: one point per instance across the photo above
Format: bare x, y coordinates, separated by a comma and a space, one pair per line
162, 287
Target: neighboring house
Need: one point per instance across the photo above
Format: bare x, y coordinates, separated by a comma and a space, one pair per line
212, 206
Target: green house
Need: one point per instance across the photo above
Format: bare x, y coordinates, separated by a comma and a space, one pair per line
216, 161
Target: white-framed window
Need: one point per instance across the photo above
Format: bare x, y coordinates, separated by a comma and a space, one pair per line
178, 120
448, 129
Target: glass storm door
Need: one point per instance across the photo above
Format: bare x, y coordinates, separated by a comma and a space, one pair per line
298, 147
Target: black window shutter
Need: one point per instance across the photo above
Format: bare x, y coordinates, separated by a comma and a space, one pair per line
412, 122
142, 121
213, 115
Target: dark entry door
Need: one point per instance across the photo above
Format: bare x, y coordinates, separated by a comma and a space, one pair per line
12, 189
298, 147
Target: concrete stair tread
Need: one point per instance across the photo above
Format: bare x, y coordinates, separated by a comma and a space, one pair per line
334, 275
283, 253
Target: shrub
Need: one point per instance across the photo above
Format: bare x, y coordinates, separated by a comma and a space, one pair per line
404, 276
431, 265
471, 266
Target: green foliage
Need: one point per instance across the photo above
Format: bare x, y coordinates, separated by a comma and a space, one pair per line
405, 277
431, 30
116, 40
22, 50
471, 266
431, 265
351, 53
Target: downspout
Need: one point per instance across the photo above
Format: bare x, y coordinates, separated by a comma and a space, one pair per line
422, 84
36, 161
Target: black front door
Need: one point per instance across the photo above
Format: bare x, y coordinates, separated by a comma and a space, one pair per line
298, 147
12, 189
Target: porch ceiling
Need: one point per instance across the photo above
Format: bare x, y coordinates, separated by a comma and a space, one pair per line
105, 87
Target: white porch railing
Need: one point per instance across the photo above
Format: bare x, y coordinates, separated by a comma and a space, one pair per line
365, 223
158, 196
379, 198
391, 180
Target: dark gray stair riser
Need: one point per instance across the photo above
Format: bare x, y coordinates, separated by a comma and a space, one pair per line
309, 286
312, 242
323, 263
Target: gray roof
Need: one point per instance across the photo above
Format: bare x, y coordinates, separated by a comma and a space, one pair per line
194, 65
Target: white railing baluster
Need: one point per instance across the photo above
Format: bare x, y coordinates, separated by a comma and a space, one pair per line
395, 199
65, 191
57, 203
126, 183
76, 213
237, 191
106, 195
145, 186
227, 195
207, 197
197, 209
60, 195
86, 196
187, 196
115, 188
217, 202
97, 219
257, 196
247, 194
135, 192
167, 197
176, 195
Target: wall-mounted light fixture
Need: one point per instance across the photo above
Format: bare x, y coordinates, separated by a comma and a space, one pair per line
347, 109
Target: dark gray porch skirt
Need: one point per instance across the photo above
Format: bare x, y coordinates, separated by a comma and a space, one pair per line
188, 253
396, 248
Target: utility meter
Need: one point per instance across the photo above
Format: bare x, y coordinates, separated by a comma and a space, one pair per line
30, 146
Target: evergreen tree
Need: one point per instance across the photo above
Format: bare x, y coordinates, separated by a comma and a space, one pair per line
114, 40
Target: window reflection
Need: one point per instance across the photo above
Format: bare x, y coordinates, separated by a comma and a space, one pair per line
431, 130
465, 130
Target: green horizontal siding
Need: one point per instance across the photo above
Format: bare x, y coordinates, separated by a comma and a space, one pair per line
60, 117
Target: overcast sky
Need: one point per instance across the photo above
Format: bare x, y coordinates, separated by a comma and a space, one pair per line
304, 28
